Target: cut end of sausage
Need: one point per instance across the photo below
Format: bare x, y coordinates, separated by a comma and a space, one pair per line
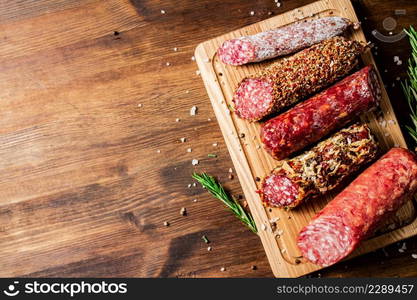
237, 52
326, 240
253, 99
280, 191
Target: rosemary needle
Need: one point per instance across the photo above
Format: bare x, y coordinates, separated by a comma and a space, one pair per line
410, 85
208, 182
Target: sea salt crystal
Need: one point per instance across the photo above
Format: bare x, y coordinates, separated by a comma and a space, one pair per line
193, 111
194, 162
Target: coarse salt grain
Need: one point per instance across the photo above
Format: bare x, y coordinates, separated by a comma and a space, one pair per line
197, 72
162, 11
396, 58
166, 223
183, 139
193, 58
230, 170
194, 184
214, 144
194, 162
187, 91
223, 269
175, 49
168, 63
193, 111
158, 151
263, 227
252, 13
208, 248
189, 150
414, 255
189, 185
177, 119
140, 105
194, 200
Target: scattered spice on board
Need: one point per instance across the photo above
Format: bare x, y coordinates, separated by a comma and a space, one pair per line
208, 248
222, 269
166, 223
183, 211
194, 162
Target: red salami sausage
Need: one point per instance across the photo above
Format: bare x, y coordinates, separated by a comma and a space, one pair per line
320, 169
359, 209
281, 41
293, 78
313, 119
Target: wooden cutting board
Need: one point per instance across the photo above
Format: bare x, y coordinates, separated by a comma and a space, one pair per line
252, 162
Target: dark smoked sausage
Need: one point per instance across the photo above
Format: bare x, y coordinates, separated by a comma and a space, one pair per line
329, 110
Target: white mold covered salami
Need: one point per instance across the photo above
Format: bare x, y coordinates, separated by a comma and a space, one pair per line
280, 41
355, 213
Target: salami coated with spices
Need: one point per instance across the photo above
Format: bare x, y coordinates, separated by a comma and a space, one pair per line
294, 78
359, 209
313, 119
280, 41
320, 169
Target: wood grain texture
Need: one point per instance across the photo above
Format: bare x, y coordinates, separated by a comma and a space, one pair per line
83, 190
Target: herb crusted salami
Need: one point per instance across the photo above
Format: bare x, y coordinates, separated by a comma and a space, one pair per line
294, 78
320, 169
280, 41
355, 213
329, 110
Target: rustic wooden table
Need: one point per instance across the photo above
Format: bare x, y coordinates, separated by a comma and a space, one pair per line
96, 96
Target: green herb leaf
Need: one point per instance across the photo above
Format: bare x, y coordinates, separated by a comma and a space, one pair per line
208, 182
211, 155
409, 86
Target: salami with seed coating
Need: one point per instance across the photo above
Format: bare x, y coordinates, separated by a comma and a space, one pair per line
280, 41
293, 78
329, 110
355, 213
320, 169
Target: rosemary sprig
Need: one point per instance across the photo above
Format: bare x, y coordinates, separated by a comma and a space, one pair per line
208, 182
410, 85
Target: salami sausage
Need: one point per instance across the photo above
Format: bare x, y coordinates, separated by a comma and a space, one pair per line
281, 41
313, 119
359, 209
320, 169
291, 79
